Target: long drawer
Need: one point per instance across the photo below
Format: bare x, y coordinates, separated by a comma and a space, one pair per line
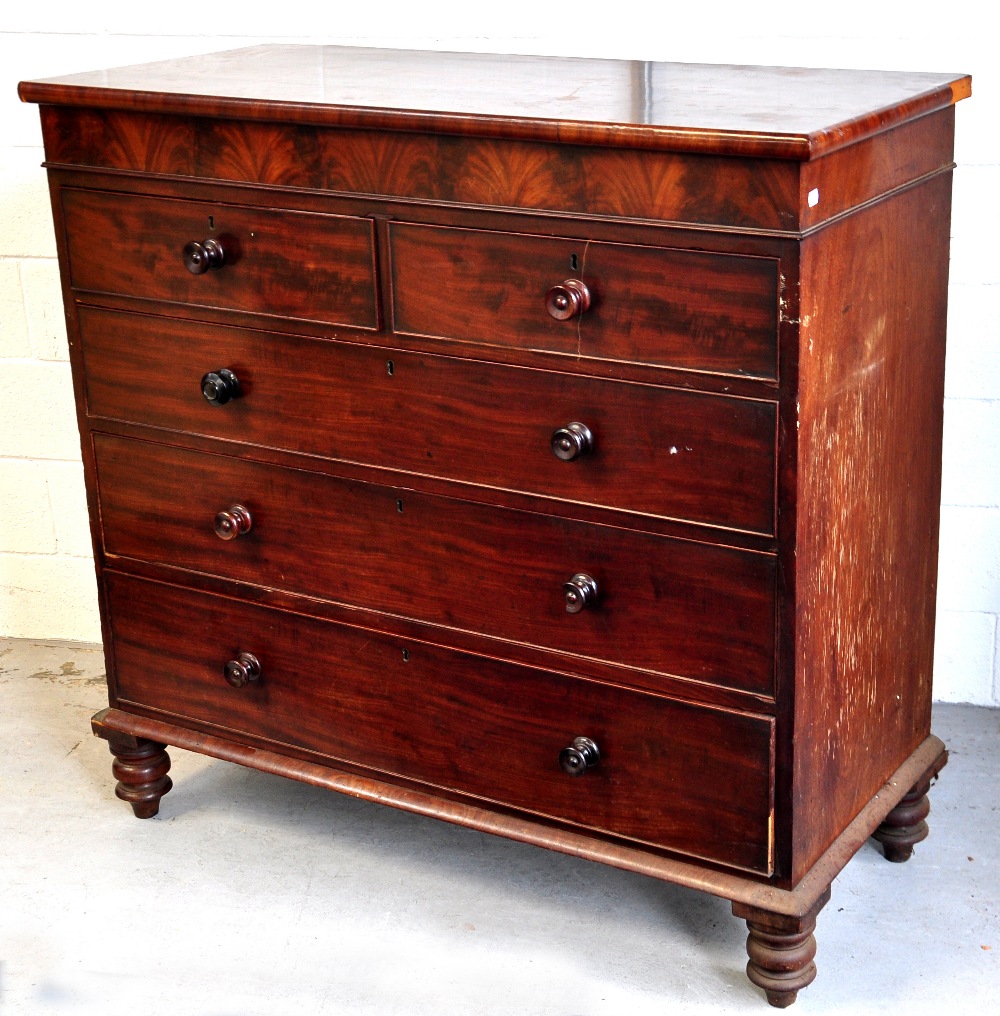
684, 777
276, 262
656, 451
661, 605
654, 305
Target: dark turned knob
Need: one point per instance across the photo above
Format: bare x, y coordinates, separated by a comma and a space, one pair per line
581, 755
200, 257
241, 671
233, 522
572, 441
567, 301
219, 386
581, 591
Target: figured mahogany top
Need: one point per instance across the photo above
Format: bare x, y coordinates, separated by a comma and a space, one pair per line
769, 112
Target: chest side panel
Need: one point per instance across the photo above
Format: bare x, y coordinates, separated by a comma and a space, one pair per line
869, 457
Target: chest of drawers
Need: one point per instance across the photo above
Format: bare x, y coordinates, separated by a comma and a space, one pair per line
548, 446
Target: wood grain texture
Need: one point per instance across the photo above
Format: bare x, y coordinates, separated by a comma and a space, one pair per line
658, 451
700, 612
481, 172
781, 950
141, 768
278, 263
150, 143
750, 194
871, 390
774, 112
651, 305
471, 725
743, 887
852, 176
905, 826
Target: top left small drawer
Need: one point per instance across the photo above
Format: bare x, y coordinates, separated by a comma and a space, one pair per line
279, 263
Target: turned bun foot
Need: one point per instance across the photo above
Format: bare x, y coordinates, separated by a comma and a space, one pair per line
141, 768
780, 962
904, 826
781, 950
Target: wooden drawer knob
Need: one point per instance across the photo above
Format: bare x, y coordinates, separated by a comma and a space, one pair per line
241, 671
581, 755
233, 522
572, 441
581, 591
219, 386
568, 300
200, 257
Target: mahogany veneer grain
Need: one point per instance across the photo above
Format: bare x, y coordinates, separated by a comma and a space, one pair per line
657, 451
280, 263
685, 309
430, 715
665, 606
778, 112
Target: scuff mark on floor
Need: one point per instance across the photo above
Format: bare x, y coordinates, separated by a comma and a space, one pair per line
68, 669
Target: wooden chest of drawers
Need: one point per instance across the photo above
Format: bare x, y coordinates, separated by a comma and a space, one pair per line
549, 446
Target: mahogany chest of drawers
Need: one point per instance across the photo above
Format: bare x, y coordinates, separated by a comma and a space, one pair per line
550, 446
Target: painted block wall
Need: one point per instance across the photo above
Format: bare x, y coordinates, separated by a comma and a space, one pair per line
47, 589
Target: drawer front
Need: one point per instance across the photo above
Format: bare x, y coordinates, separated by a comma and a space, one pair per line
279, 263
657, 451
651, 305
663, 605
687, 778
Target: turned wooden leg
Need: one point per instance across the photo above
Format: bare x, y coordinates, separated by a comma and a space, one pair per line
781, 950
904, 826
141, 768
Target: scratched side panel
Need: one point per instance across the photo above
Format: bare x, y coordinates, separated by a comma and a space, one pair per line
871, 376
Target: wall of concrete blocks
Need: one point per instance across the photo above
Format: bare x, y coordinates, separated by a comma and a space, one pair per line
47, 589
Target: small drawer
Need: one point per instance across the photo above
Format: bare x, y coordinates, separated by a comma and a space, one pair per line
616, 302
655, 451
682, 777
277, 263
662, 605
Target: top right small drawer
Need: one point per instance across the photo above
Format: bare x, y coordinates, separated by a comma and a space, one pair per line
587, 299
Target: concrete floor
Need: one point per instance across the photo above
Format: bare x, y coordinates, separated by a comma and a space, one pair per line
250, 895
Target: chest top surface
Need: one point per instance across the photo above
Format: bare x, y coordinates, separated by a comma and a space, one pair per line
772, 112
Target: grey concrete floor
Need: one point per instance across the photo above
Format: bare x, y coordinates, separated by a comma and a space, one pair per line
250, 894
